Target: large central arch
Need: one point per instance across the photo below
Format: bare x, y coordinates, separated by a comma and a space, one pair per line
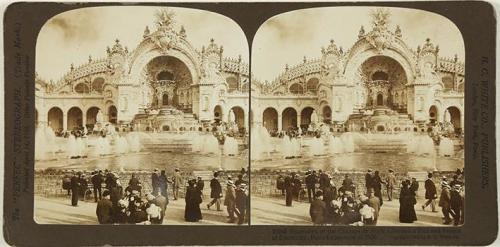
149, 52
365, 51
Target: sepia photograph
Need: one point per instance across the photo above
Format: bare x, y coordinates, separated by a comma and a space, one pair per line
141, 118
358, 119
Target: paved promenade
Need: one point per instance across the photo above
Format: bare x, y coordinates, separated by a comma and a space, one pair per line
60, 211
272, 211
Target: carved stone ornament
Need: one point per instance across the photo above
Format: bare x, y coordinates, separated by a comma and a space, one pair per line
164, 40
380, 37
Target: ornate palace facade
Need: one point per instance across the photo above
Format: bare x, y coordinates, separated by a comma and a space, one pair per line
164, 84
379, 83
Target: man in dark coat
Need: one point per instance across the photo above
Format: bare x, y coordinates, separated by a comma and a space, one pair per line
200, 184
116, 193
318, 210
240, 203
239, 180
163, 183
430, 193
289, 185
347, 184
368, 179
97, 180
455, 203
109, 179
324, 181
444, 202
135, 184
75, 188
83, 185
104, 210
155, 181
297, 186
192, 212
216, 192
280, 184
377, 186
414, 185
311, 185
329, 194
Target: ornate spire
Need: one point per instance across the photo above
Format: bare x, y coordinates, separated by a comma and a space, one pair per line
213, 48
428, 47
117, 48
165, 18
305, 59
380, 18
182, 32
72, 67
361, 32
146, 32
331, 49
398, 32
90, 58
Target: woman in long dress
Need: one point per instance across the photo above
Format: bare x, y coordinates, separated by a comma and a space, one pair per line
192, 212
407, 202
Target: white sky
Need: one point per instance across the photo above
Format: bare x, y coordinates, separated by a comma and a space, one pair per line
288, 37
72, 36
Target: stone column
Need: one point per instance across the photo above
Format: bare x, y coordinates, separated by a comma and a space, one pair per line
280, 122
245, 120
84, 118
65, 121
462, 121
299, 119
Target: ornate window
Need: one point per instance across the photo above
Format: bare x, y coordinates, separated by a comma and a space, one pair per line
296, 89
82, 88
97, 84
232, 83
312, 85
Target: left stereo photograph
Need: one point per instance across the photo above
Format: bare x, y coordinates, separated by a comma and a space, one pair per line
141, 118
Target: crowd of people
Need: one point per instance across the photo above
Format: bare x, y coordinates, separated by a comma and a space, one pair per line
343, 205
132, 205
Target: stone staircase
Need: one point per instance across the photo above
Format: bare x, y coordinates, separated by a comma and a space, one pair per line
382, 145
166, 142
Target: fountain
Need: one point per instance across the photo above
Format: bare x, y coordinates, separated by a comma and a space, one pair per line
103, 146
121, 145
317, 147
230, 146
347, 142
196, 142
72, 147
286, 148
45, 142
446, 147
134, 143
420, 145
210, 145
335, 145
261, 143
296, 147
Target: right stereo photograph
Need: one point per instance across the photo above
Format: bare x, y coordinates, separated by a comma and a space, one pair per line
357, 119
